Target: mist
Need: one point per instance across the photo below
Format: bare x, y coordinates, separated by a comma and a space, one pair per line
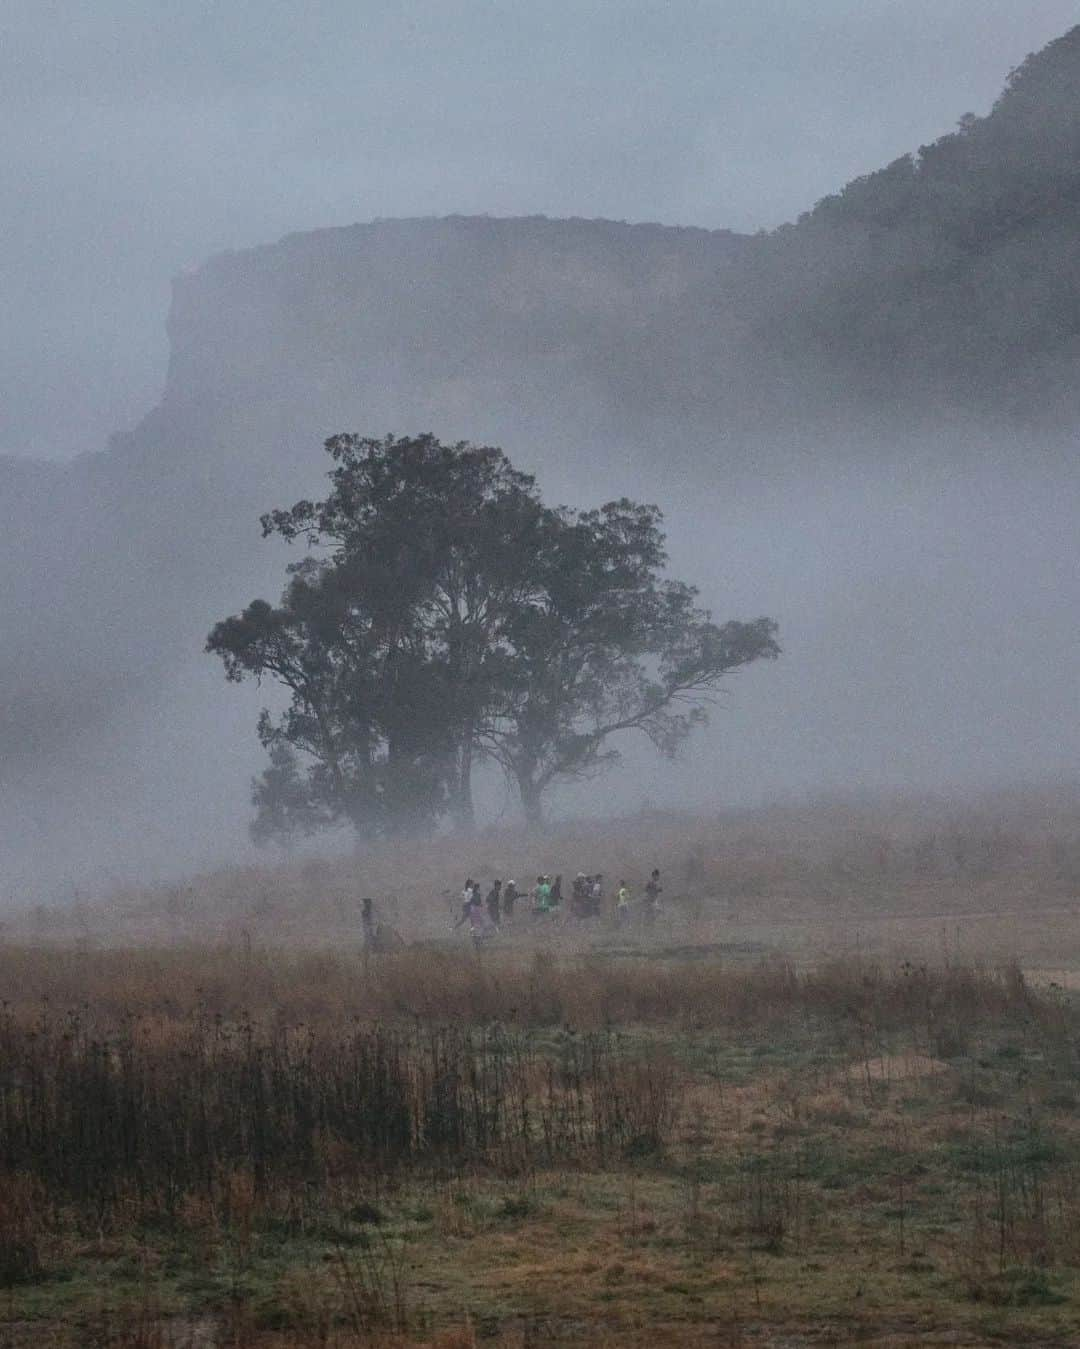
139, 142
883, 463
928, 647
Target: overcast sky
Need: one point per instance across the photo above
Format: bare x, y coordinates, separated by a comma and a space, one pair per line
140, 136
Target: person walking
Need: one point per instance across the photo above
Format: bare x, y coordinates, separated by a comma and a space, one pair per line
494, 902
380, 938
470, 897
622, 905
368, 926
542, 896
480, 925
653, 891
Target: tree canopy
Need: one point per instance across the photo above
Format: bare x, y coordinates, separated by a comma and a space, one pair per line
445, 614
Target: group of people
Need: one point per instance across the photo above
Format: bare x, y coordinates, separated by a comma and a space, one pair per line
485, 915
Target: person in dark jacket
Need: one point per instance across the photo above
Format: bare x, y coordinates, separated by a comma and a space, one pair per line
653, 891
494, 902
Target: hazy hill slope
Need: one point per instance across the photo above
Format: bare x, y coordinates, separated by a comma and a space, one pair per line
944, 287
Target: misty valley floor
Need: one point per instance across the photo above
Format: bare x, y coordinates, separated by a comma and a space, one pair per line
861, 1160
789, 1116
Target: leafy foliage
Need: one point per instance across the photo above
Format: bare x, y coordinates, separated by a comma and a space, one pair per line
446, 612
608, 646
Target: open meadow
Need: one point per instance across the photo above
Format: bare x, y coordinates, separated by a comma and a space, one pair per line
831, 1096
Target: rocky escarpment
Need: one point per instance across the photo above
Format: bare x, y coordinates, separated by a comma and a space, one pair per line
490, 329
509, 330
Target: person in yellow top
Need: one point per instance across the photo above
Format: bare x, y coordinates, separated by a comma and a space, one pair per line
622, 905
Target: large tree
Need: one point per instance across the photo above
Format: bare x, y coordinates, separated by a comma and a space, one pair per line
365, 716
387, 635
445, 613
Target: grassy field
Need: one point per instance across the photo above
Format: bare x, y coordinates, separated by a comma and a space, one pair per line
833, 1099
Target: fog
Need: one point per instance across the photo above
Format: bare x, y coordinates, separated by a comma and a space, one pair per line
929, 645
901, 494
138, 140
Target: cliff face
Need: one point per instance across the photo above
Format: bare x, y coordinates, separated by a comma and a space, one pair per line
937, 301
490, 329
507, 330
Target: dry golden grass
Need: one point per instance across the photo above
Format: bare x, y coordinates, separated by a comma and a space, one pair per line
856, 1150
150, 991
851, 1037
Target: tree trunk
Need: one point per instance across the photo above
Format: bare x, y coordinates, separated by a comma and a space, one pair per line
462, 805
532, 803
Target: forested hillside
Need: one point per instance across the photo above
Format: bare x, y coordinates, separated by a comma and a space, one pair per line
948, 282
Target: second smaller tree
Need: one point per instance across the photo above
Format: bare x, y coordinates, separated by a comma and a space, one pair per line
608, 645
